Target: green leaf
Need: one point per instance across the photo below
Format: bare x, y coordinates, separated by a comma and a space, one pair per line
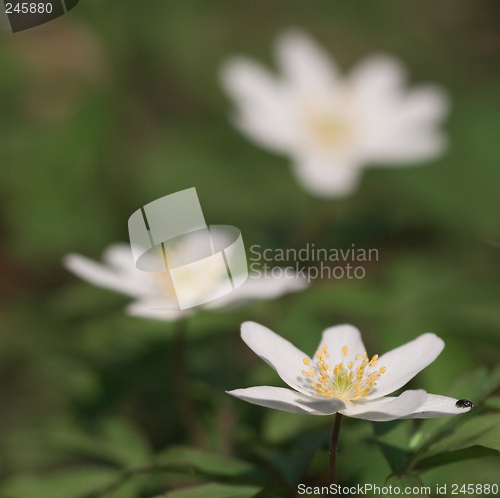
70, 484
393, 439
469, 453
281, 426
398, 459
127, 444
483, 430
493, 402
204, 462
118, 442
129, 489
292, 463
477, 387
478, 437
215, 490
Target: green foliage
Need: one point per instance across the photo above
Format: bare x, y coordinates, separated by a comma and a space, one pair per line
438, 442
215, 491
118, 104
199, 461
70, 484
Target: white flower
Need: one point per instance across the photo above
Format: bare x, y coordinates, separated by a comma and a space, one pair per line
153, 292
341, 377
332, 126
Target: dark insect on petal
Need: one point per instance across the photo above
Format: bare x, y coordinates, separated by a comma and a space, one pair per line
464, 403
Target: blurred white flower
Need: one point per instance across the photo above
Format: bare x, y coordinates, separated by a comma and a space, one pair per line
341, 378
332, 126
153, 292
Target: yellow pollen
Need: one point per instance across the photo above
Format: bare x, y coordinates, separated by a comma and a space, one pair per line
349, 382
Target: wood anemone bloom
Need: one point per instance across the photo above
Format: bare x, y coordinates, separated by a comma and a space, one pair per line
342, 378
153, 298
332, 126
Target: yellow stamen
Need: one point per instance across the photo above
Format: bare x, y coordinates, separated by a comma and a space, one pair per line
349, 383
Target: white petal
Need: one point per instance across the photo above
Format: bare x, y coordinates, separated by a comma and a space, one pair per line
404, 147
398, 125
280, 354
304, 63
249, 81
378, 79
278, 135
157, 309
263, 104
327, 177
424, 103
120, 256
403, 363
107, 277
437, 406
287, 400
385, 409
339, 336
261, 288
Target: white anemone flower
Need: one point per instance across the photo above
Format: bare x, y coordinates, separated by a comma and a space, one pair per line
341, 378
153, 293
332, 126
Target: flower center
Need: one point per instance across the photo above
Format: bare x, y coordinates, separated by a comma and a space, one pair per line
194, 281
348, 382
329, 130
164, 285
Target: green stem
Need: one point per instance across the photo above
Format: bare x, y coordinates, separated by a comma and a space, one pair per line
186, 410
333, 448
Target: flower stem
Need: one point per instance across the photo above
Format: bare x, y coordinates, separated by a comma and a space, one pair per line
333, 448
187, 412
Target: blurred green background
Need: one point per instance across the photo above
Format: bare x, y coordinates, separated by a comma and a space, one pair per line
118, 103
